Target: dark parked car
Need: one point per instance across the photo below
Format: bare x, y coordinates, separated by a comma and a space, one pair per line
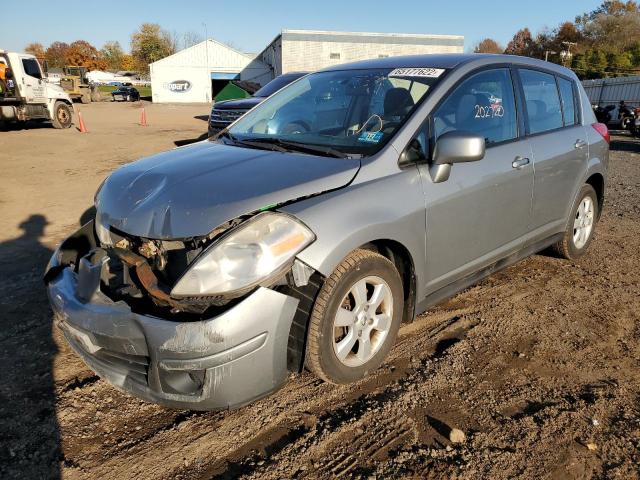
226, 112
126, 94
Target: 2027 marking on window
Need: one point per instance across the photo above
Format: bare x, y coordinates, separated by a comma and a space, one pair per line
489, 111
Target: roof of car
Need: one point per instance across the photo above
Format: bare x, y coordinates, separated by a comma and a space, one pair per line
448, 61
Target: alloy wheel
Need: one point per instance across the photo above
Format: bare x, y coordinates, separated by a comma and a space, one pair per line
583, 223
363, 321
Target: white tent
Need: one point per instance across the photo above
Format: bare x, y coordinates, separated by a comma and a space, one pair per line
190, 74
97, 76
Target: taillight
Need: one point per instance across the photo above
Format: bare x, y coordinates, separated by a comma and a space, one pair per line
602, 129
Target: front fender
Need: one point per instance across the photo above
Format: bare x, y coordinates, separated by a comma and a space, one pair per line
386, 208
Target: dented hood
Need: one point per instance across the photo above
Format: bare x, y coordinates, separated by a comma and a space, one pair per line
189, 191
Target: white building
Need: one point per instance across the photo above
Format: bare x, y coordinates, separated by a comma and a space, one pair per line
199, 73
310, 50
196, 73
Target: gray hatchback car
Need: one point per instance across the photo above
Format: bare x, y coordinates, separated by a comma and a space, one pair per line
308, 231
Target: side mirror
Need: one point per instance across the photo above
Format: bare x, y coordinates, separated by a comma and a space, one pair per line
455, 147
414, 153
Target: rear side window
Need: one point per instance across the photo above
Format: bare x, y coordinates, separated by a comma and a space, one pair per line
568, 101
31, 67
483, 104
542, 99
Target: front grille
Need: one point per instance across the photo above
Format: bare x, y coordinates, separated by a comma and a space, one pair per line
226, 116
66, 84
135, 367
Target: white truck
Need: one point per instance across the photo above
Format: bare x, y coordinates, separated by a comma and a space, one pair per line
25, 93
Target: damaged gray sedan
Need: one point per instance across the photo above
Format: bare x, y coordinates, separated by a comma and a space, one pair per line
305, 233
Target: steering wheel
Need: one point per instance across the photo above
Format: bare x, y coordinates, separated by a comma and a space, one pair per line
293, 128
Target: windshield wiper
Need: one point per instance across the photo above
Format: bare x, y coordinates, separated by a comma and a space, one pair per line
300, 147
253, 143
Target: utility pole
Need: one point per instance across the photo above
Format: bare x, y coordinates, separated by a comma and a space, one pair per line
206, 48
566, 54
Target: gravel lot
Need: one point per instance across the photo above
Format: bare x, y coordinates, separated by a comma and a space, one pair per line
534, 373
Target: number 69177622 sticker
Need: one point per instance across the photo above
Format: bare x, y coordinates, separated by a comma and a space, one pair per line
417, 72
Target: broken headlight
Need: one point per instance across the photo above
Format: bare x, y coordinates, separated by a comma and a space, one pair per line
255, 252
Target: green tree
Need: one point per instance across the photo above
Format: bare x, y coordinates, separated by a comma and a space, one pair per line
597, 64
151, 43
112, 54
619, 64
579, 64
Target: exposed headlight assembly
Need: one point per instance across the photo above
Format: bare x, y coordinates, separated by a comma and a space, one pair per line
253, 253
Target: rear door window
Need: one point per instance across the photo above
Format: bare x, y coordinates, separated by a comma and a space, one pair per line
483, 104
567, 96
542, 101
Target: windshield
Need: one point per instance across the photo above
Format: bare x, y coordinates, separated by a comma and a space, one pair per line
348, 111
276, 84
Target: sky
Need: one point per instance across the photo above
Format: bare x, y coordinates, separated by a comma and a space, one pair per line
250, 25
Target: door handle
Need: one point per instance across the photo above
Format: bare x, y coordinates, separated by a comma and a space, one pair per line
520, 162
580, 144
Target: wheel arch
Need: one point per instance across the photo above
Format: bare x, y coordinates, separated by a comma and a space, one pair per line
596, 180
400, 256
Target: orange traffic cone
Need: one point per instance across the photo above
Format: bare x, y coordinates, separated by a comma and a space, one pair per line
83, 127
143, 118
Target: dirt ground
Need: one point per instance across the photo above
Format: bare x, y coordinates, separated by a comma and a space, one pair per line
538, 366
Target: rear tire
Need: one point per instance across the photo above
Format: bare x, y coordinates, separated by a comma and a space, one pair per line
582, 224
346, 338
62, 116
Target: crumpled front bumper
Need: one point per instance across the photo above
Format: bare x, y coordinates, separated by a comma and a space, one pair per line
223, 362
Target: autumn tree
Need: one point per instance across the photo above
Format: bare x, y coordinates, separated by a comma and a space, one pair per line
151, 43
35, 49
112, 54
56, 54
521, 43
128, 63
614, 26
83, 54
488, 45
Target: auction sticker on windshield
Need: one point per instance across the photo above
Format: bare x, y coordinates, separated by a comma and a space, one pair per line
417, 72
370, 137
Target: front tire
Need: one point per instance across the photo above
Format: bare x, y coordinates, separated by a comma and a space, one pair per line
581, 225
62, 116
355, 319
